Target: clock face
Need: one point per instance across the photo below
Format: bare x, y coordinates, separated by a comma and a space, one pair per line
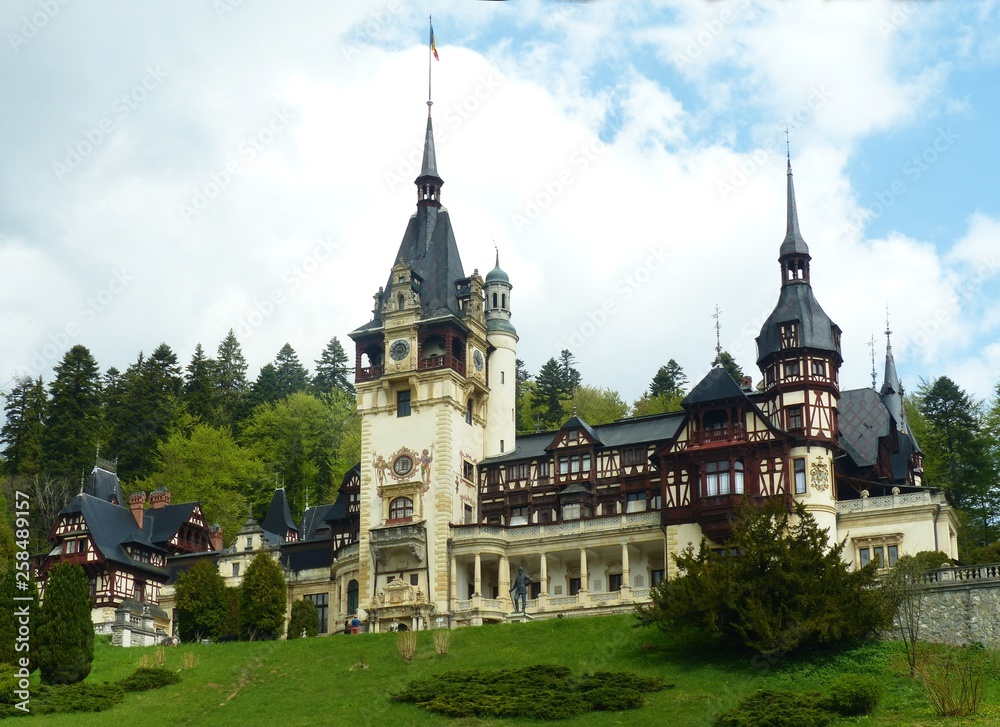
477, 359
402, 464
399, 349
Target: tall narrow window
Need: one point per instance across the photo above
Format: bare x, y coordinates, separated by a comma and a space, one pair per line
503, 301
352, 596
738, 477
403, 403
400, 302
794, 417
468, 412
800, 476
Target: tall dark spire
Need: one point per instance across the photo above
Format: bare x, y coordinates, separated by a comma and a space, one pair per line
892, 389
429, 183
794, 254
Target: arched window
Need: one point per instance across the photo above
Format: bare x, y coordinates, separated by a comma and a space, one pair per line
503, 301
494, 300
401, 302
738, 477
401, 507
468, 412
352, 596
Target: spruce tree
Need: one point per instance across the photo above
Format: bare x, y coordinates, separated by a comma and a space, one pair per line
725, 359
669, 380
332, 370
549, 392
201, 602
231, 386
199, 387
22, 432
263, 595
65, 632
266, 389
291, 376
73, 416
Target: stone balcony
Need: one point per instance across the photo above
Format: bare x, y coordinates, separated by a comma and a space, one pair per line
886, 502
519, 533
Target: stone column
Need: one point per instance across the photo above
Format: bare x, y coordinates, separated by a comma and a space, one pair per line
584, 596
343, 595
626, 591
543, 580
453, 594
478, 590
503, 583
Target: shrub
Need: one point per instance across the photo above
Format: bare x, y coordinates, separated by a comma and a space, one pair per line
406, 642
854, 695
442, 639
142, 680
8, 683
304, 621
952, 679
81, 697
777, 708
65, 631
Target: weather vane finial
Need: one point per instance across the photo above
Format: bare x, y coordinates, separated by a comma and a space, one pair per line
718, 331
788, 143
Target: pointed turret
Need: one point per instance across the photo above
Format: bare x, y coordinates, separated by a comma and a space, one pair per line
429, 183
794, 254
892, 390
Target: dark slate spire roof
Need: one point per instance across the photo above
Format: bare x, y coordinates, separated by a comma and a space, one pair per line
279, 518
428, 168
793, 242
716, 385
105, 485
892, 389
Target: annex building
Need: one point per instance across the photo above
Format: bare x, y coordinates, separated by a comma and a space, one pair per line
449, 501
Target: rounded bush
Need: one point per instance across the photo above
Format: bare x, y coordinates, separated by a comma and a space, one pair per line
854, 695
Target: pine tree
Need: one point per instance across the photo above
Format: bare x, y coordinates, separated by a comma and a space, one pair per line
262, 599
291, 376
304, 620
73, 416
23, 430
332, 371
199, 390
201, 602
65, 632
570, 376
232, 388
549, 392
9, 621
669, 380
729, 364
266, 389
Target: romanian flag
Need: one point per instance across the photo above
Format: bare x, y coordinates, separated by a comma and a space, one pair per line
434, 49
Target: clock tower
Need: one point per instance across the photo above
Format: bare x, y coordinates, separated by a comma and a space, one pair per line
422, 377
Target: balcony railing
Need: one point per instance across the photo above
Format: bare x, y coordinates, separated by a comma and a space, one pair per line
369, 373
890, 501
441, 362
527, 532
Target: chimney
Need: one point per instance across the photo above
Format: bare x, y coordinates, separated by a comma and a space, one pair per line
136, 501
159, 498
747, 384
215, 536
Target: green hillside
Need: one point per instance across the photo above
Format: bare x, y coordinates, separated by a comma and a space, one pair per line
317, 681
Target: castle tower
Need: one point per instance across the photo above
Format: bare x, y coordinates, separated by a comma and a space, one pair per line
798, 352
423, 397
502, 363
908, 461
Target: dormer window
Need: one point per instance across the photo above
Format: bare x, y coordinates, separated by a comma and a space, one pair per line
789, 335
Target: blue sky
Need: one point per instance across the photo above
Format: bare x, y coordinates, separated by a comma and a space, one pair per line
169, 171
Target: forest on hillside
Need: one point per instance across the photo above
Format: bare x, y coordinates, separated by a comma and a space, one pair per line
209, 433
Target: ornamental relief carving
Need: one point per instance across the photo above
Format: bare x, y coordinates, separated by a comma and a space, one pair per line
819, 474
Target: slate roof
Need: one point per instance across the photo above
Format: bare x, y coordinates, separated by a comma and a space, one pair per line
111, 527
640, 430
316, 518
105, 485
162, 524
793, 244
279, 518
863, 419
305, 556
796, 302
717, 385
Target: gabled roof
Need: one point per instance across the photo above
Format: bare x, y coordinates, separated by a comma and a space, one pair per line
112, 527
575, 422
316, 518
161, 524
717, 385
624, 432
279, 518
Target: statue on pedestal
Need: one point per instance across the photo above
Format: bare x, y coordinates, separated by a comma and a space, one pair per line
520, 589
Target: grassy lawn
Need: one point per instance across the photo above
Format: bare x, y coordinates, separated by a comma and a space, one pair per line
311, 681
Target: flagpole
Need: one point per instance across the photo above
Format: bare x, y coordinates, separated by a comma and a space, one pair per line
430, 26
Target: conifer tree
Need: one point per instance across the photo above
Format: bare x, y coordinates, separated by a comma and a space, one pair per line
263, 596
291, 376
199, 387
201, 602
332, 371
725, 359
73, 416
65, 632
22, 432
549, 393
266, 389
231, 386
669, 380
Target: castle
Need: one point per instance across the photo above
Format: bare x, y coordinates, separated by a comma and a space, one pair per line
449, 501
